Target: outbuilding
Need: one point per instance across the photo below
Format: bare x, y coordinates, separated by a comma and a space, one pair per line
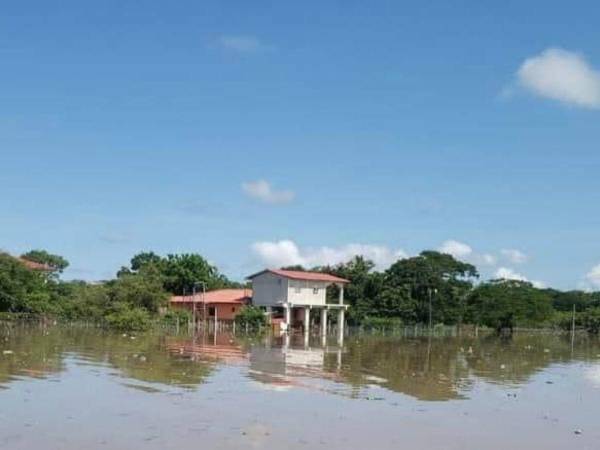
217, 305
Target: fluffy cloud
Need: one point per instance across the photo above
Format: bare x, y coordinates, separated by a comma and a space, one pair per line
240, 43
593, 277
561, 75
514, 256
456, 249
287, 253
506, 273
261, 190
488, 259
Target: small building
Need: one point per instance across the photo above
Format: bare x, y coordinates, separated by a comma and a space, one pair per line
220, 304
296, 294
35, 266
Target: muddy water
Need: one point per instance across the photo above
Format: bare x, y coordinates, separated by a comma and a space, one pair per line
73, 389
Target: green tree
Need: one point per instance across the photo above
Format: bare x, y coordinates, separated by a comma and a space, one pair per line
504, 304
143, 289
22, 289
410, 284
365, 284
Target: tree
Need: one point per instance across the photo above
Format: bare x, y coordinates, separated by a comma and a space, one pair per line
56, 262
364, 286
179, 273
410, 284
145, 259
143, 289
22, 289
504, 304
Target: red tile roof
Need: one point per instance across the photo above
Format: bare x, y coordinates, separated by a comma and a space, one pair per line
238, 296
305, 276
33, 265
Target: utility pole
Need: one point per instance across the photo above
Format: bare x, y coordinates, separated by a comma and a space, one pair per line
430, 309
194, 301
431, 291
573, 329
194, 308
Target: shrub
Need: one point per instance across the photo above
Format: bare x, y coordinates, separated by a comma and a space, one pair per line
129, 319
382, 323
590, 319
174, 316
252, 316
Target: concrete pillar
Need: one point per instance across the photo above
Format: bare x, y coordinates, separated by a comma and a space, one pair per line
341, 297
341, 324
307, 319
288, 316
324, 322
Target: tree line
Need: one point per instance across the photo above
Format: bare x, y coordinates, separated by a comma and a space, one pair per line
430, 288
131, 300
436, 288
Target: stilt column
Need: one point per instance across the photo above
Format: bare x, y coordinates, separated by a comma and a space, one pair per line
288, 316
324, 322
307, 319
341, 324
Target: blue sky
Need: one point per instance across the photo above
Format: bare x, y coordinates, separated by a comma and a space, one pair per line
264, 132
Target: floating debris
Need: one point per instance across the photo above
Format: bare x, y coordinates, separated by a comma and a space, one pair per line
578, 431
7, 352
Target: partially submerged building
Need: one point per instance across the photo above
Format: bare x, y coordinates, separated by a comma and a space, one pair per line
298, 295
217, 305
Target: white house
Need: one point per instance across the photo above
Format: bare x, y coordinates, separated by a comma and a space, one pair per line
298, 293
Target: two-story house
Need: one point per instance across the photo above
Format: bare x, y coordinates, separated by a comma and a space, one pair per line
297, 294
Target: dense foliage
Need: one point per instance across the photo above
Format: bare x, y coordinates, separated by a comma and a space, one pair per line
430, 288
251, 317
129, 302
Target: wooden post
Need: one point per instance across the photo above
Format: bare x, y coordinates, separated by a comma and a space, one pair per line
216, 319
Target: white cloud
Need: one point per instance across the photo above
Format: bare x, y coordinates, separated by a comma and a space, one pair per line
488, 259
593, 277
506, 273
561, 75
287, 253
513, 255
240, 43
262, 190
455, 248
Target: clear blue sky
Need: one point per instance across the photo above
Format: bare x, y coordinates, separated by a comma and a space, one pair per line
127, 126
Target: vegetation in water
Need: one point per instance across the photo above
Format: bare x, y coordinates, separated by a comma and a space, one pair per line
252, 317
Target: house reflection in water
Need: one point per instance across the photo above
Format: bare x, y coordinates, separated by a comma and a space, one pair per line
278, 362
287, 361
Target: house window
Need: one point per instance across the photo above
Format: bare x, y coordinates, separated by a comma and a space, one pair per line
297, 288
233, 309
316, 290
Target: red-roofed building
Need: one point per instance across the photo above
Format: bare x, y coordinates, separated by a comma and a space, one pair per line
33, 265
220, 304
294, 294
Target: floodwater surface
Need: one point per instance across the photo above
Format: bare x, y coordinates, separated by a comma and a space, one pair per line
72, 388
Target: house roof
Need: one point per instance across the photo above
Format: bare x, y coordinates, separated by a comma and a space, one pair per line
238, 296
304, 276
33, 265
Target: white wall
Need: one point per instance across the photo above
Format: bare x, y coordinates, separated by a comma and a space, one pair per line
269, 289
303, 292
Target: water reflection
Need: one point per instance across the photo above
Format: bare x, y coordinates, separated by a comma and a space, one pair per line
40, 353
425, 369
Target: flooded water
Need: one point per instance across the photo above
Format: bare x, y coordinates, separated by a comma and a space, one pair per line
69, 389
